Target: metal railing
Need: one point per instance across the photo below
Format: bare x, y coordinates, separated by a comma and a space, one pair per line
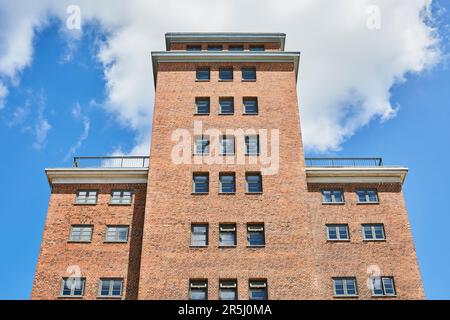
111, 162
343, 162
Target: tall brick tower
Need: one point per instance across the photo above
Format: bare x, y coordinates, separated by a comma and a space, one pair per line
233, 210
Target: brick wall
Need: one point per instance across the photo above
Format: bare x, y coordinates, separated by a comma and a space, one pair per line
96, 259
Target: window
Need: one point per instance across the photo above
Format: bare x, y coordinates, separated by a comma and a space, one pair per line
226, 145
198, 290
203, 74
81, 233
254, 182
215, 48
199, 235
383, 286
227, 235
257, 48
338, 232
226, 74
226, 105
250, 105
110, 287
255, 235
373, 232
86, 197
345, 287
201, 183
194, 48
121, 197
249, 74
236, 47
117, 234
228, 290
367, 196
257, 290
252, 145
72, 287
202, 105
227, 183
332, 196
202, 145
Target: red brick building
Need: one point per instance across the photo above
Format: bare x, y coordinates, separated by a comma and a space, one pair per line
227, 207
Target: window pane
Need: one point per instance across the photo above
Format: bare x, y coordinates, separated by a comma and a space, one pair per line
203, 74
332, 233
250, 105
257, 48
343, 234
372, 195
361, 196
351, 286
226, 105
227, 238
338, 196
339, 287
252, 145
226, 73
379, 234
368, 232
227, 184
194, 48
105, 284
197, 294
249, 74
215, 48
327, 196
258, 294
388, 285
201, 184
254, 183
117, 288
376, 286
236, 48
202, 105
227, 294
256, 238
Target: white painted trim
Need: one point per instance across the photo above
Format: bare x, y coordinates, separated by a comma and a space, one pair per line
96, 175
356, 175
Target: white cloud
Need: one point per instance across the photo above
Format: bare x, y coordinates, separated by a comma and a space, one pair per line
3, 95
41, 126
346, 73
84, 135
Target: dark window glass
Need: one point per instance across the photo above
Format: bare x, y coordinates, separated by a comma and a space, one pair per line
226, 105
201, 183
202, 105
345, 287
236, 48
252, 145
373, 232
257, 48
255, 235
338, 232
250, 105
254, 183
367, 196
203, 74
73, 286
194, 48
258, 290
111, 287
333, 196
226, 74
227, 183
215, 48
249, 74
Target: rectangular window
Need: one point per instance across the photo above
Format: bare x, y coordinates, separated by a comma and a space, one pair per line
257, 48
250, 105
254, 182
215, 47
121, 197
332, 196
227, 183
81, 233
373, 232
345, 287
227, 235
383, 286
202, 105
110, 287
201, 183
226, 105
367, 196
198, 290
117, 234
255, 235
199, 235
194, 47
228, 290
257, 290
236, 47
86, 197
202, 145
252, 145
203, 74
72, 287
226, 145
249, 74
226, 74
337, 232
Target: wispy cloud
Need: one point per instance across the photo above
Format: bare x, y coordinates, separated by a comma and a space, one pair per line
3, 94
77, 114
41, 126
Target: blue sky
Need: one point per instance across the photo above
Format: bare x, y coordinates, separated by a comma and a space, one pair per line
61, 103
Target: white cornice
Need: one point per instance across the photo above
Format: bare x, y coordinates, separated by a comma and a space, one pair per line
224, 37
96, 175
356, 175
223, 56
